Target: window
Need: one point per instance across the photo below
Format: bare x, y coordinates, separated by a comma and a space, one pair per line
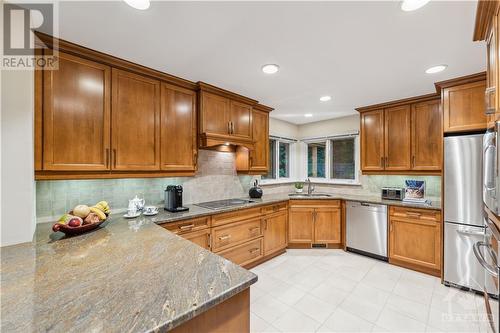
343, 159
280, 157
331, 159
316, 154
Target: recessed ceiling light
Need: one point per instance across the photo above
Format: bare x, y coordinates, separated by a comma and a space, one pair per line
325, 98
410, 5
270, 68
138, 4
436, 69
308, 115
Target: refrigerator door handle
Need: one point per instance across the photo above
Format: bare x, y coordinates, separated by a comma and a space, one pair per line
480, 257
467, 232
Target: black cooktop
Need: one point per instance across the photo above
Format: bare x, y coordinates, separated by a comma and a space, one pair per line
223, 203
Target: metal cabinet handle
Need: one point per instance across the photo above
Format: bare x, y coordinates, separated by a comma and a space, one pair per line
114, 157
253, 229
413, 161
469, 233
195, 159
232, 127
413, 214
186, 227
382, 162
107, 157
480, 257
224, 237
489, 109
386, 163
228, 127
265, 224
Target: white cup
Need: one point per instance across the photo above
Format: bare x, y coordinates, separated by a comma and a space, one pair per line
150, 209
131, 211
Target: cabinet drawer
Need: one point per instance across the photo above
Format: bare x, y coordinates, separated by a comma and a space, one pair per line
238, 215
188, 225
314, 203
234, 234
244, 253
415, 213
274, 208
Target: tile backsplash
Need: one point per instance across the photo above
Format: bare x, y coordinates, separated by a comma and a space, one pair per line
215, 179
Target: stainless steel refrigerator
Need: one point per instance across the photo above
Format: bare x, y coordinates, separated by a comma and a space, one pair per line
463, 206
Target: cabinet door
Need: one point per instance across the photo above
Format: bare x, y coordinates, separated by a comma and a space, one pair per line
415, 242
241, 120
327, 225
372, 140
259, 157
178, 129
275, 233
300, 225
426, 137
200, 238
397, 138
214, 114
463, 107
135, 122
76, 115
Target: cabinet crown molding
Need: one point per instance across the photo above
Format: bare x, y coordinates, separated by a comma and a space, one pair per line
399, 102
202, 86
486, 10
460, 80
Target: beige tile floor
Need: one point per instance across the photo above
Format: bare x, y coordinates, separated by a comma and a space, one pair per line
334, 291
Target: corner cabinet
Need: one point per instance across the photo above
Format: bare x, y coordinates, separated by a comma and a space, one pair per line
402, 136
315, 223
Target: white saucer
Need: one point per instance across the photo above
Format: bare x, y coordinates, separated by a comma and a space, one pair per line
132, 216
152, 213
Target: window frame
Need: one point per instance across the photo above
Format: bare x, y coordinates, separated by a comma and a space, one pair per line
291, 159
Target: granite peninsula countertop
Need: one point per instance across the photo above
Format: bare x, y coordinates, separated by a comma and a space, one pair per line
129, 276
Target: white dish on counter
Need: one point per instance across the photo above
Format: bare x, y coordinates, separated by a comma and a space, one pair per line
132, 216
151, 213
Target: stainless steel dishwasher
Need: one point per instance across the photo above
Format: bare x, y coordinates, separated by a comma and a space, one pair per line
366, 229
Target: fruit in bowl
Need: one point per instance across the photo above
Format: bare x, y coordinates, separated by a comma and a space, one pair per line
82, 219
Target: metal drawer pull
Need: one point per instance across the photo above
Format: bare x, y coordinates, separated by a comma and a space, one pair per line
255, 249
480, 257
186, 227
224, 237
413, 214
253, 229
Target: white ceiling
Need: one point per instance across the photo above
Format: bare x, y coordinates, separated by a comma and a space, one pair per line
359, 52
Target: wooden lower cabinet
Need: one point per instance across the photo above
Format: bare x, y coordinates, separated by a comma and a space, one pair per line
246, 253
200, 238
275, 235
415, 239
315, 222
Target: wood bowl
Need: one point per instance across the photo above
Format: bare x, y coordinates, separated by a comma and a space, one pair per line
71, 231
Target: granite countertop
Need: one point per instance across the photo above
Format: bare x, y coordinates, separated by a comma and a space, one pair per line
197, 211
129, 276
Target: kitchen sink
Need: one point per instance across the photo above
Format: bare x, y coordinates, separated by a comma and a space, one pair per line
313, 195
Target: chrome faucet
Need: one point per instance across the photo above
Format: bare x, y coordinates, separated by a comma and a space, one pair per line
310, 187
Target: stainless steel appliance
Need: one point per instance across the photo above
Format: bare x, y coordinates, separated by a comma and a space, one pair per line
463, 214
173, 199
486, 253
218, 204
393, 193
366, 229
490, 172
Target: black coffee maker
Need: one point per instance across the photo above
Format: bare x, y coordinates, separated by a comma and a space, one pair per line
173, 199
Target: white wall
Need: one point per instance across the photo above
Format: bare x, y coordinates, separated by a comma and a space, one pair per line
17, 174
330, 127
284, 129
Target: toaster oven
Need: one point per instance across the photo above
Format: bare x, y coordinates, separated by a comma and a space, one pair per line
393, 193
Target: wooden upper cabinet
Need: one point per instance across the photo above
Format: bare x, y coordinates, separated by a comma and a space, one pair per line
76, 115
259, 156
135, 122
240, 118
214, 114
178, 129
491, 102
372, 140
327, 225
464, 107
426, 137
397, 138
